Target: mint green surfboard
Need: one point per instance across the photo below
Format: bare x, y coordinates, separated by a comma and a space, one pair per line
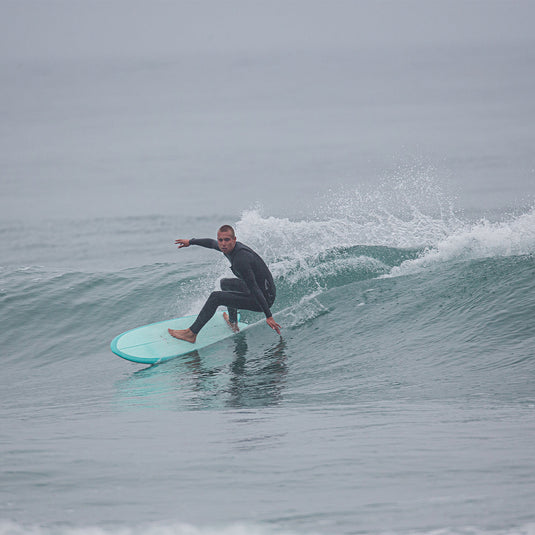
152, 343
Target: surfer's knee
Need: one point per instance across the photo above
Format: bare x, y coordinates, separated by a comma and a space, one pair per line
216, 297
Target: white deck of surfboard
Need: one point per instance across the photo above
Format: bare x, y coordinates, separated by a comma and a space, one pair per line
152, 343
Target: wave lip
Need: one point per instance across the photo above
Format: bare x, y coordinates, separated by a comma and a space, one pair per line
514, 237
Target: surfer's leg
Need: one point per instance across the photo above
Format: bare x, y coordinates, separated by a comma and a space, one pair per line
232, 300
233, 285
233, 288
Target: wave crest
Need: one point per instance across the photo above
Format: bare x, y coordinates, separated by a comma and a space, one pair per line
512, 237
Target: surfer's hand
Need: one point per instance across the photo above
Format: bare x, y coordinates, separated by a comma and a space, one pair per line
182, 243
273, 324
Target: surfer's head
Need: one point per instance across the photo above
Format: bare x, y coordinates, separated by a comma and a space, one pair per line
226, 239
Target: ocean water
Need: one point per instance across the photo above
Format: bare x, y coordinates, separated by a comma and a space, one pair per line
387, 178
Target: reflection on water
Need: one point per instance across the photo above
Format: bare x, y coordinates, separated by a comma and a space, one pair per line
259, 380
206, 379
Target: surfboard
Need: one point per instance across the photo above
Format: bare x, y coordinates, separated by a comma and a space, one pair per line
152, 343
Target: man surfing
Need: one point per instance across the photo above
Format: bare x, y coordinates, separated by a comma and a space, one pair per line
253, 289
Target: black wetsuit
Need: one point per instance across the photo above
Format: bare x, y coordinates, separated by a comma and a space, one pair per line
254, 288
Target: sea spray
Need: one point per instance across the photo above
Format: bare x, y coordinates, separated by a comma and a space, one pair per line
356, 234
404, 212
510, 237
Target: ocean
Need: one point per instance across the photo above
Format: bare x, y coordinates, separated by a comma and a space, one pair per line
379, 157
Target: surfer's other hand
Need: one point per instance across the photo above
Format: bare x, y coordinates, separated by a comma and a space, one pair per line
273, 324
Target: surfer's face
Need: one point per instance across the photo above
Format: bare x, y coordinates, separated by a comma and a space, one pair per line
226, 241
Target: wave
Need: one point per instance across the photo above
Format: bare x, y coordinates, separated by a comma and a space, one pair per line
304, 269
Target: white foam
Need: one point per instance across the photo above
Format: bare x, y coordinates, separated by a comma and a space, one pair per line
512, 237
404, 212
282, 237
308, 308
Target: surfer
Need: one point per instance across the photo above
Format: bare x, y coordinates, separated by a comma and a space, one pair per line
253, 289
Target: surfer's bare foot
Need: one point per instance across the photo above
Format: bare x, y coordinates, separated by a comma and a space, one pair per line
233, 326
183, 334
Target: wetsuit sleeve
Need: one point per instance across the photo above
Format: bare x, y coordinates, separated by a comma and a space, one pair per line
209, 243
245, 269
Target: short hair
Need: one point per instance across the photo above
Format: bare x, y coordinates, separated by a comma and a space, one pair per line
227, 228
